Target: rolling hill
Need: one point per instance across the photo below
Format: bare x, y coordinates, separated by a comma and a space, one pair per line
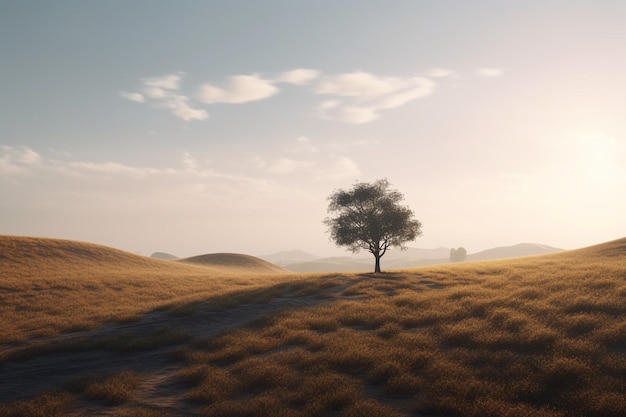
535, 336
33, 255
164, 255
54, 285
411, 258
234, 262
515, 251
288, 257
22, 255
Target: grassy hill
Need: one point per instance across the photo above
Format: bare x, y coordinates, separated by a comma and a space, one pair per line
53, 285
535, 337
234, 262
503, 252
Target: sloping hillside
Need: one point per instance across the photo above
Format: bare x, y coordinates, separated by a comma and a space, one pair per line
515, 251
29, 250
25, 256
53, 285
612, 249
35, 256
234, 262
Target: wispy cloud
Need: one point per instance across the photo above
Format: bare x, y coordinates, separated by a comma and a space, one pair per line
362, 96
189, 162
163, 92
179, 105
167, 82
359, 84
16, 163
136, 97
354, 97
311, 163
442, 73
299, 76
240, 89
287, 166
161, 87
333, 168
17, 160
349, 145
489, 72
110, 169
334, 110
340, 168
302, 144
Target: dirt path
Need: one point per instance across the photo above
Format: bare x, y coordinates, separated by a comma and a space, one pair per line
159, 385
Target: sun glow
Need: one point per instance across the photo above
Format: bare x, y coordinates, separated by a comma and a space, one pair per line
597, 157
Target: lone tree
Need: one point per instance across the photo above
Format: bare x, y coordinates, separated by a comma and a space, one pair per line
370, 217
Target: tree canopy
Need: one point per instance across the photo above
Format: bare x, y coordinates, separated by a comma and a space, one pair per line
458, 255
369, 216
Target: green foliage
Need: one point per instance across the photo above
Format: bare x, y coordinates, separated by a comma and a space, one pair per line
370, 217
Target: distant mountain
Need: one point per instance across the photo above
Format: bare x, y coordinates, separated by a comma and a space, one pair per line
163, 255
418, 253
515, 251
288, 257
411, 258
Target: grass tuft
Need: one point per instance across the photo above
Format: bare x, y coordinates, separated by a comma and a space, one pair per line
114, 389
46, 405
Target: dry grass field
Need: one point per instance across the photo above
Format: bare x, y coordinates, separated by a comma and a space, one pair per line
539, 336
51, 286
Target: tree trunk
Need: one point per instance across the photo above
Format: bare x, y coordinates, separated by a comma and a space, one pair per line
377, 268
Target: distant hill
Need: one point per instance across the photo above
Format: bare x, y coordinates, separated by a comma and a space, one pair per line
332, 264
164, 256
418, 253
24, 257
515, 251
300, 261
288, 257
234, 262
413, 258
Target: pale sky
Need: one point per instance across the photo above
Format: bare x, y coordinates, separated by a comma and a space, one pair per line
222, 126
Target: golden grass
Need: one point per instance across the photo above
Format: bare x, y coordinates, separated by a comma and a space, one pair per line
543, 336
45, 405
533, 337
112, 389
50, 286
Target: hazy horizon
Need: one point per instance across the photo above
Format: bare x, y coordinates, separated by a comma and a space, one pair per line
204, 127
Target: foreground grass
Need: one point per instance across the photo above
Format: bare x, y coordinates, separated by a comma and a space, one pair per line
542, 336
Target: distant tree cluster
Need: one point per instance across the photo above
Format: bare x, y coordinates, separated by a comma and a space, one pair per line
458, 255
